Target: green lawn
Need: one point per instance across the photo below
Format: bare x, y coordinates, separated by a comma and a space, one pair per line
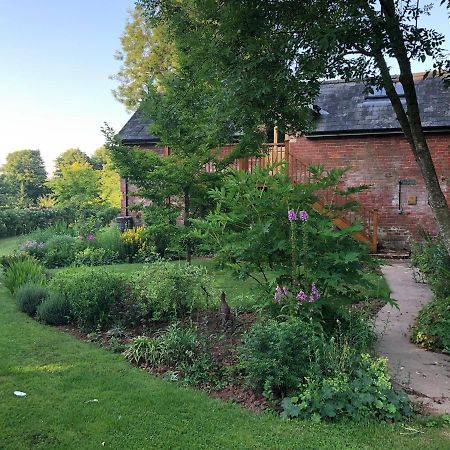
8, 245
135, 410
62, 376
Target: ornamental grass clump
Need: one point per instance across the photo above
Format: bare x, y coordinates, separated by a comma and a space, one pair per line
22, 271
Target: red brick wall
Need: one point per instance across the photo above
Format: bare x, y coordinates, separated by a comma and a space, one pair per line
381, 161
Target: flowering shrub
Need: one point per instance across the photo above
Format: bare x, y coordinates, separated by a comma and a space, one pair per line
134, 241
33, 248
251, 233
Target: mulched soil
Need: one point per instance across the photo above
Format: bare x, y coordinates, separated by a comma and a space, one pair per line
223, 344
223, 340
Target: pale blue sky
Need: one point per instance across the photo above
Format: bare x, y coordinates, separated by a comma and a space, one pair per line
56, 59
54, 87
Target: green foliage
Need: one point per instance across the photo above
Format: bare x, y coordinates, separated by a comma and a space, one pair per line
277, 355
68, 157
96, 257
7, 260
91, 292
78, 185
9, 192
23, 271
271, 58
26, 169
364, 394
249, 232
162, 231
110, 238
60, 251
29, 296
14, 222
431, 257
432, 327
167, 291
147, 53
54, 310
178, 347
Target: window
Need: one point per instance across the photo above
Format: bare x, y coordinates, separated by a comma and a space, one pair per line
380, 93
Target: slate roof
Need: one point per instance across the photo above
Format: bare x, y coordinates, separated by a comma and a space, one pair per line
344, 110
349, 112
136, 131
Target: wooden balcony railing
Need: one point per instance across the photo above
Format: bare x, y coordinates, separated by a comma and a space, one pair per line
328, 202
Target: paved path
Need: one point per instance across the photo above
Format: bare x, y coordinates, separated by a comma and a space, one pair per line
425, 373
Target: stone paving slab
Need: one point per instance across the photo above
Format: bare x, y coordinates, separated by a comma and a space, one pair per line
426, 375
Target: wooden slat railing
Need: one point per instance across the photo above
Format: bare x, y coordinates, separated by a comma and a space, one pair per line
328, 201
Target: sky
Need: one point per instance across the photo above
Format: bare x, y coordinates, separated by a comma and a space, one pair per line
57, 56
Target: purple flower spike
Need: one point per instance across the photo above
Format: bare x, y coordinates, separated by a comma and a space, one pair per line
292, 215
315, 293
281, 292
303, 216
90, 237
311, 298
301, 296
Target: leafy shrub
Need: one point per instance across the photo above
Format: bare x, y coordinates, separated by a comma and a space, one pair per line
431, 257
166, 290
54, 310
60, 251
96, 257
14, 222
276, 356
432, 327
110, 239
91, 292
364, 394
144, 350
251, 233
30, 296
21, 272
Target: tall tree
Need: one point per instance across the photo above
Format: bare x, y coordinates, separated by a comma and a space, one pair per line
147, 53
78, 185
272, 57
109, 176
26, 168
68, 157
9, 191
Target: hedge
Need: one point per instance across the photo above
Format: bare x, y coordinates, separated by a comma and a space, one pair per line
14, 222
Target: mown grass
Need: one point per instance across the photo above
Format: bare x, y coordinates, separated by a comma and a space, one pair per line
80, 396
62, 376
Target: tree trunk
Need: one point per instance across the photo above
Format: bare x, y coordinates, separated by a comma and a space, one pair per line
410, 120
187, 223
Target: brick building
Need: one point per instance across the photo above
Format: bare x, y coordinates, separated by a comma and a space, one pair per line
360, 131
